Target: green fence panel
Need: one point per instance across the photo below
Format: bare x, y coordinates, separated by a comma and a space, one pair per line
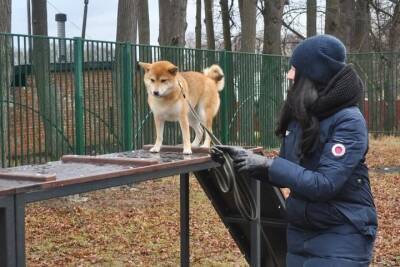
61, 95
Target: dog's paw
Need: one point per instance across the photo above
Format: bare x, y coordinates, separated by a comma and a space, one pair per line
187, 151
155, 149
205, 146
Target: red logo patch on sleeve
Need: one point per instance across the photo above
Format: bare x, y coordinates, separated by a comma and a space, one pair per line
338, 150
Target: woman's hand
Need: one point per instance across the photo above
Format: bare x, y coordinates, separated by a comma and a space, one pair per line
245, 161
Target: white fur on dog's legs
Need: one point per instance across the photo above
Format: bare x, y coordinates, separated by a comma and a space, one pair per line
199, 134
207, 141
160, 132
184, 123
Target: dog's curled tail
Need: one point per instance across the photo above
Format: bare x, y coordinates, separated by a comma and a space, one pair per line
215, 72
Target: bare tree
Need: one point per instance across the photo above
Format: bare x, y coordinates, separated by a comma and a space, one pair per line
172, 22
198, 24
346, 22
362, 27
208, 11
272, 14
390, 85
49, 101
226, 26
311, 17
127, 21
248, 12
143, 22
394, 32
271, 96
5, 71
331, 22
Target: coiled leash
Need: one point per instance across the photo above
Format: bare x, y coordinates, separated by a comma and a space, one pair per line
227, 179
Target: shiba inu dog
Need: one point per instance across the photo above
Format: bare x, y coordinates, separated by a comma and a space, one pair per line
169, 92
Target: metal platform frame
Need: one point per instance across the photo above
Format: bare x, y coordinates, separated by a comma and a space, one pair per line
12, 209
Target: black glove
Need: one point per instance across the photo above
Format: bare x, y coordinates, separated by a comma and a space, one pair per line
245, 161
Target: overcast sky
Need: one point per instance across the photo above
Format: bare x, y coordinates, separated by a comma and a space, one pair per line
101, 21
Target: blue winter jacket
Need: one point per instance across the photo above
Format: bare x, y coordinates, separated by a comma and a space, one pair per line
331, 212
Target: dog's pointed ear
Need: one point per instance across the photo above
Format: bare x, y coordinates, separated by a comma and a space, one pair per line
173, 70
145, 66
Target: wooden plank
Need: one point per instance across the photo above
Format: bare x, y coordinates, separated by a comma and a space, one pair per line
105, 160
26, 176
204, 150
178, 149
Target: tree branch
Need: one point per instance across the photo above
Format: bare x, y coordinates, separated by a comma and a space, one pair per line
287, 26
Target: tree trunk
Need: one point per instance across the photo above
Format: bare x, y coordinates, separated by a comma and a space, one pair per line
362, 27
143, 22
391, 88
226, 26
248, 12
172, 22
5, 76
49, 101
198, 24
272, 14
394, 36
311, 18
228, 70
346, 22
271, 94
208, 11
331, 22
127, 21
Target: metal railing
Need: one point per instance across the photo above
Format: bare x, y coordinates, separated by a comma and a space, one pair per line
62, 95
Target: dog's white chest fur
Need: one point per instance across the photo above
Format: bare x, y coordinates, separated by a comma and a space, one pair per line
168, 112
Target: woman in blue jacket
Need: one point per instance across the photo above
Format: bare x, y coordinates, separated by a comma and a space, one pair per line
330, 209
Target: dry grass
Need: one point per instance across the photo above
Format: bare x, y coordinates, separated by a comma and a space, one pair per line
140, 226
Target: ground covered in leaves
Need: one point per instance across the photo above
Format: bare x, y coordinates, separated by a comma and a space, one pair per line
139, 226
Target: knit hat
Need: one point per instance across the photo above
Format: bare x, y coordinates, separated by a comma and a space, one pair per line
319, 57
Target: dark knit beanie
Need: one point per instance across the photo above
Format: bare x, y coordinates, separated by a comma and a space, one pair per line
319, 57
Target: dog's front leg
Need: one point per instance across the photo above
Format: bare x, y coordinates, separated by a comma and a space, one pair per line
159, 123
184, 123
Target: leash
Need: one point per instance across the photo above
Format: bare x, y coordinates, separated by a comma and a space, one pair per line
227, 179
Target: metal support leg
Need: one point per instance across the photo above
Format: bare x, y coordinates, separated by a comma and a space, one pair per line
19, 203
255, 227
184, 206
7, 232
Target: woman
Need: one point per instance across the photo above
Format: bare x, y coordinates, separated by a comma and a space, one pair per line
330, 210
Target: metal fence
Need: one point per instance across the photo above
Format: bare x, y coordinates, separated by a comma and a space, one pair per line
61, 96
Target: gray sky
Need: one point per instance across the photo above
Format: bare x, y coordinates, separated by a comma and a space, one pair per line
101, 21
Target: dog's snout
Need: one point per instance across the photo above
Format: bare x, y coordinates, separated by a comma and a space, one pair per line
156, 93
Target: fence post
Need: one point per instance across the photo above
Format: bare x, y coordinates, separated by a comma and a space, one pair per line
127, 97
224, 102
79, 101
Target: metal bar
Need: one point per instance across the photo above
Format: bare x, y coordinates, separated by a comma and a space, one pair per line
184, 207
79, 104
255, 227
224, 106
127, 95
7, 232
19, 204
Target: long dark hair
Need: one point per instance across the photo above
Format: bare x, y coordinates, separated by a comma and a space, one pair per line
300, 98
